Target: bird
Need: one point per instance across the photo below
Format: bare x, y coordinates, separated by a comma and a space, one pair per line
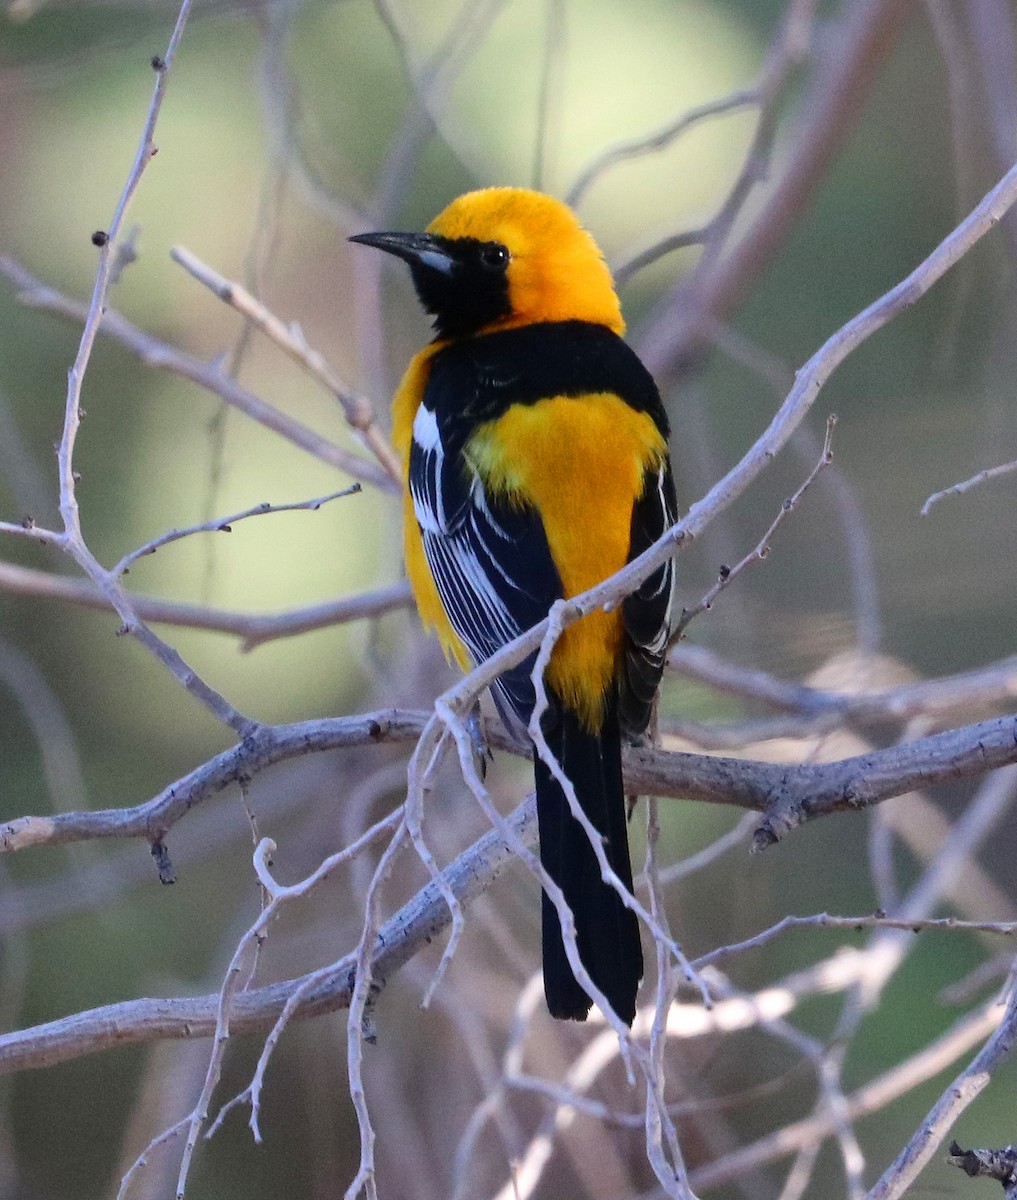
534, 448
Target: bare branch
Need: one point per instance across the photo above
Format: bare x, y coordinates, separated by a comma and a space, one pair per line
28, 529
624, 268
841, 79
405, 934
814, 374
109, 261
875, 921
932, 702
929, 698
789, 794
253, 629
696, 862
549, 97
261, 748
417, 924
71, 540
357, 408
432, 83
856, 529
208, 375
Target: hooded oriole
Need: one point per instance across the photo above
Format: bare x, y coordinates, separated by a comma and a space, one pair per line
534, 446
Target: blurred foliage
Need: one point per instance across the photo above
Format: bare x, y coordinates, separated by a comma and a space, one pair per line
926, 402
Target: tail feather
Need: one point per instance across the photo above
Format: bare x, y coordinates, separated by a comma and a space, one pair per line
607, 933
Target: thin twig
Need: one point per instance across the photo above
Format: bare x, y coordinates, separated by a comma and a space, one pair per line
549, 97
728, 575
262, 748
360, 1020
142, 1160
709, 854
419, 784
658, 1124
28, 529
225, 524
856, 528
660, 139
71, 540
958, 489
279, 895
873, 921
607, 872
400, 938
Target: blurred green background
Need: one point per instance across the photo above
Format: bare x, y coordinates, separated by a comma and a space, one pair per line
285, 128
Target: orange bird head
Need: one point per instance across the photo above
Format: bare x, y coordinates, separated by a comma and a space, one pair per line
503, 257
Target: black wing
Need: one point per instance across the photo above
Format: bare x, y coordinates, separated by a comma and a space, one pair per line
647, 612
490, 560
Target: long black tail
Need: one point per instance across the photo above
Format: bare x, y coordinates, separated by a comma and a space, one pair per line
607, 932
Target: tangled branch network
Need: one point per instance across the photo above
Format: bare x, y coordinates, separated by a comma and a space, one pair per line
821, 747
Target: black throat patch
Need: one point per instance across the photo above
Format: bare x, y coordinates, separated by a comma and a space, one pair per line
472, 294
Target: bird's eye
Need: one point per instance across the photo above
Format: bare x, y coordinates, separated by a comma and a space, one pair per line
494, 256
